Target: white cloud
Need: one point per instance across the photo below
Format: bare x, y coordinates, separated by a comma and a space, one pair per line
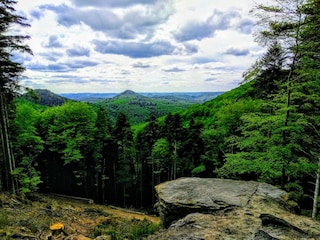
143, 45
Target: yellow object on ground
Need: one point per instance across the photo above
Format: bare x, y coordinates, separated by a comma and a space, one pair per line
57, 226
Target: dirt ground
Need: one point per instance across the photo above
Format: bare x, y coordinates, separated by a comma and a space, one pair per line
33, 216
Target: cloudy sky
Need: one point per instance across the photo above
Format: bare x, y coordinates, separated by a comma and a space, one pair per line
141, 45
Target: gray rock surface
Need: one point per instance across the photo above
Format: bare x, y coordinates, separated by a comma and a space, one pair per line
203, 208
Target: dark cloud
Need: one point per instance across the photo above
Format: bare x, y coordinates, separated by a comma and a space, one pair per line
194, 31
78, 52
203, 60
237, 52
198, 30
97, 19
134, 22
61, 67
190, 48
245, 26
47, 68
134, 49
36, 14
174, 69
141, 65
52, 56
53, 42
21, 58
81, 64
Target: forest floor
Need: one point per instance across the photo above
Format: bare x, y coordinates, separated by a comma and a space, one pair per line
31, 218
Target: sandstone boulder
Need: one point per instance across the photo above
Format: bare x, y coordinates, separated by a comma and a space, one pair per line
200, 208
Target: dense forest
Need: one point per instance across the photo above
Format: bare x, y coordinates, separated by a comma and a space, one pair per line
137, 107
267, 129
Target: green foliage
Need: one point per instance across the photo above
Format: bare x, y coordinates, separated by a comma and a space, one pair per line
139, 108
71, 130
295, 191
44, 97
4, 220
28, 146
29, 179
142, 229
11, 42
199, 169
133, 230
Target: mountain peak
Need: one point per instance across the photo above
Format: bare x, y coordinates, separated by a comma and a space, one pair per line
128, 93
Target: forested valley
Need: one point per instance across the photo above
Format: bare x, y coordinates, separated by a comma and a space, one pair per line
267, 129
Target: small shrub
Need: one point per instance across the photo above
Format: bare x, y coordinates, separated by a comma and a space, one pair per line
143, 229
133, 230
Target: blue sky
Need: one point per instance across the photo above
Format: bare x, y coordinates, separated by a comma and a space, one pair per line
141, 45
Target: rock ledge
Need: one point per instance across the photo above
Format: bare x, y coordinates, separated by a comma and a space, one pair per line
208, 208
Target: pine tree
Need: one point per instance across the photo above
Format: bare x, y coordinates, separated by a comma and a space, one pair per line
309, 89
10, 72
267, 147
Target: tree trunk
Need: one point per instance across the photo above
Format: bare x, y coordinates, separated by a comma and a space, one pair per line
175, 156
8, 159
103, 180
316, 192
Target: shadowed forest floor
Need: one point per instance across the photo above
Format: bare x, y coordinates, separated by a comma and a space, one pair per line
32, 217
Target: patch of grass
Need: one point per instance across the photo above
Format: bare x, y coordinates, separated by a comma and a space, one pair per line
4, 219
130, 229
143, 229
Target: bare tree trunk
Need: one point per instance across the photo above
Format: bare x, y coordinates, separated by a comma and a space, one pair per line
8, 159
175, 156
103, 180
316, 192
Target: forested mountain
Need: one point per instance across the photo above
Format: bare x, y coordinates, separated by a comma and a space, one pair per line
44, 97
190, 97
139, 108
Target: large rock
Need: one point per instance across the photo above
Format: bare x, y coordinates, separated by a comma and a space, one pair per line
198, 208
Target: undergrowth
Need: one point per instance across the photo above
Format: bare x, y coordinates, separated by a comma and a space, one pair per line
132, 230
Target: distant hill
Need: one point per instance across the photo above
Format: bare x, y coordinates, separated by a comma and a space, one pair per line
192, 97
45, 97
138, 107
88, 97
128, 93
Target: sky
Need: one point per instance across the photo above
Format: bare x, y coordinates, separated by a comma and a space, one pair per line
106, 46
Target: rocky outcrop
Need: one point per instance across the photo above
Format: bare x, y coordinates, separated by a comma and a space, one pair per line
198, 208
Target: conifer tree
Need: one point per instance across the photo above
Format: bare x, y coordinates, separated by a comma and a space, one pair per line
309, 89
267, 147
10, 72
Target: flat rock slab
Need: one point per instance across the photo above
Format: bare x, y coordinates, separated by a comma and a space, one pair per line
208, 195
208, 208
